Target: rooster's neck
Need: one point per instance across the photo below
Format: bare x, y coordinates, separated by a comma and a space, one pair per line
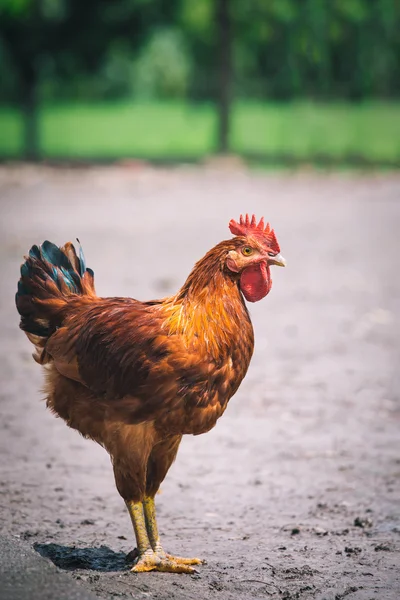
209, 310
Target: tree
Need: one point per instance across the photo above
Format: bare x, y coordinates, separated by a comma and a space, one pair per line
75, 36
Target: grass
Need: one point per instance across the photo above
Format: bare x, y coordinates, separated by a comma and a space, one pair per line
298, 130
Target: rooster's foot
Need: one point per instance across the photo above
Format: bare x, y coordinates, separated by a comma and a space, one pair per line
150, 561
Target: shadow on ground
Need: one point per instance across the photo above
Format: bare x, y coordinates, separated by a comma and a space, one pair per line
94, 559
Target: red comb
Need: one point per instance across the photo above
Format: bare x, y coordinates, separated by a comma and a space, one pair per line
247, 227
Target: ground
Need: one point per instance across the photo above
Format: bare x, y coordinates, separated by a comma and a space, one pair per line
294, 494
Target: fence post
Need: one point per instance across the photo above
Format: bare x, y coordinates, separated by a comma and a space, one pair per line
224, 74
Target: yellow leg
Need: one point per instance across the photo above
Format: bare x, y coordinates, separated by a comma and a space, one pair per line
154, 538
148, 560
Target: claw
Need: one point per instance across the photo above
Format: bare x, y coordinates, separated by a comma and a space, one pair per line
185, 561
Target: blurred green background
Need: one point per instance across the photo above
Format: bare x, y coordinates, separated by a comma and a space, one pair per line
274, 80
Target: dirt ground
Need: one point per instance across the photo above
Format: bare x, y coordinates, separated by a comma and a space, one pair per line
295, 493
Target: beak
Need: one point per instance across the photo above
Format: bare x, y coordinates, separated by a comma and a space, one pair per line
277, 260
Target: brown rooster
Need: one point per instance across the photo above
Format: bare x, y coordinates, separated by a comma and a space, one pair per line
135, 376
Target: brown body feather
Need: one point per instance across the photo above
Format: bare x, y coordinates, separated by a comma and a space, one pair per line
136, 376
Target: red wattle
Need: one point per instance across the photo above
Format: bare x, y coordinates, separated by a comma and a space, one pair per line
255, 282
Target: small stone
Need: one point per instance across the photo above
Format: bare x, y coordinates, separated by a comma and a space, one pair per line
352, 550
88, 522
362, 522
384, 547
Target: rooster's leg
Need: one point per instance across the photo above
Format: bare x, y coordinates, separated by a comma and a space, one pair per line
148, 559
152, 531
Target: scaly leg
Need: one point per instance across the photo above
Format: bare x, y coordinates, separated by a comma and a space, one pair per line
154, 538
148, 559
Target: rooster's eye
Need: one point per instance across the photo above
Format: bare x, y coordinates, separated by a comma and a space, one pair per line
247, 250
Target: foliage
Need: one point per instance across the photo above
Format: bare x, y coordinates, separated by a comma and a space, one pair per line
43, 39
283, 49
169, 49
163, 66
318, 48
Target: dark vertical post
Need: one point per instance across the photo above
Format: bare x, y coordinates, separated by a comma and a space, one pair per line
29, 100
30, 115
224, 73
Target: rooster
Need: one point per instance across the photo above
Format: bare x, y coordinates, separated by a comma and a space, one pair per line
136, 376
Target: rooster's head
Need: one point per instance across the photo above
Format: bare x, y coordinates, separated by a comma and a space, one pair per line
256, 249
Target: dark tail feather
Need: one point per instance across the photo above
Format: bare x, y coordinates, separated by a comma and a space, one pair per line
49, 277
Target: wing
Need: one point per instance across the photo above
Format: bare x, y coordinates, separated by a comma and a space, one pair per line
118, 348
